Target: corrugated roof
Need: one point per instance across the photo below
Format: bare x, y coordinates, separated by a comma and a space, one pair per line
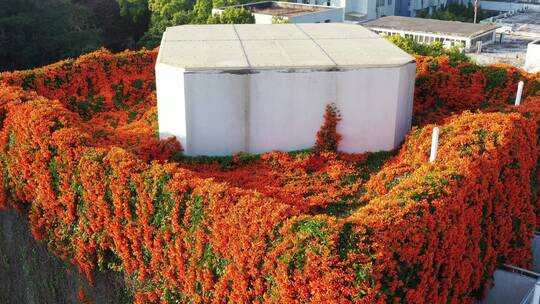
449, 28
277, 46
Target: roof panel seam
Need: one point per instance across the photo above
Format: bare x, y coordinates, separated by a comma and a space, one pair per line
242, 46
317, 44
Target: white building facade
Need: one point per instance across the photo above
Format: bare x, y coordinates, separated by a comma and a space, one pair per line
266, 12
259, 88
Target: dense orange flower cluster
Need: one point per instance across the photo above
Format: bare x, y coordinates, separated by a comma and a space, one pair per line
114, 95
443, 89
79, 152
327, 137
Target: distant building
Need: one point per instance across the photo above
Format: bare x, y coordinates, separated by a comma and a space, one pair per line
269, 12
414, 7
450, 33
357, 11
256, 88
532, 61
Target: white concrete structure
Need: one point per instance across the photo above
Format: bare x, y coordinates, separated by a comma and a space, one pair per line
358, 11
532, 61
223, 89
265, 12
450, 33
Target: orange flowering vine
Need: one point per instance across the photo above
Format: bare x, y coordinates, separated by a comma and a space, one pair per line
79, 153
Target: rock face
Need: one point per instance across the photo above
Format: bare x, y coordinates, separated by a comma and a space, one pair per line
31, 274
257, 88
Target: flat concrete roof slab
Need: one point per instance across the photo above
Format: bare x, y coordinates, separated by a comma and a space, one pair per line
449, 28
291, 54
277, 46
204, 54
269, 32
203, 33
336, 31
351, 52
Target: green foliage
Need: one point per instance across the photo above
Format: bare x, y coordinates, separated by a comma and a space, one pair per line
232, 16
432, 49
38, 32
455, 12
136, 9
279, 20
495, 78
166, 13
312, 228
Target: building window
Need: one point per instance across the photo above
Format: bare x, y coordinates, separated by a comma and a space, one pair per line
389, 2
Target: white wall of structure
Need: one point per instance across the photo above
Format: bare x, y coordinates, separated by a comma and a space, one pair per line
532, 61
227, 112
224, 89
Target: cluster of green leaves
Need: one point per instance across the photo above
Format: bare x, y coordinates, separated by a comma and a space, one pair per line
39, 32
432, 49
455, 12
232, 16
165, 13
35, 32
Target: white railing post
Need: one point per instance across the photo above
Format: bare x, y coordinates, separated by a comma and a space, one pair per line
519, 93
536, 294
434, 144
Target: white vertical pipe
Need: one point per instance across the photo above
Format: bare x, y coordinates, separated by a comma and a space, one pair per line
536, 294
434, 144
519, 93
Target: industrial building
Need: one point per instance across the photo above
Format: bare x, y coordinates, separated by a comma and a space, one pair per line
266, 12
223, 89
524, 23
450, 33
516, 30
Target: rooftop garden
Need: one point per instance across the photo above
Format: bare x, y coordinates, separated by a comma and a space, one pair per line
80, 156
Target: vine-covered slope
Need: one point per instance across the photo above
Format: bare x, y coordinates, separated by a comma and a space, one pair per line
79, 152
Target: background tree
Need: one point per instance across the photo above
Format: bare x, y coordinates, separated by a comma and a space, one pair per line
232, 16
120, 30
434, 49
279, 20
136, 9
165, 13
38, 32
455, 12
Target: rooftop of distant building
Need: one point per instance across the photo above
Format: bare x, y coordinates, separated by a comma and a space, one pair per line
450, 28
283, 9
